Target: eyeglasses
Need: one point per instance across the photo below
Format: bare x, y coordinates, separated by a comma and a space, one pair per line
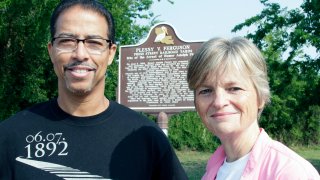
93, 45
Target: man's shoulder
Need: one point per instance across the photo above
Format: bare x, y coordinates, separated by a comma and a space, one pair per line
128, 113
131, 118
36, 109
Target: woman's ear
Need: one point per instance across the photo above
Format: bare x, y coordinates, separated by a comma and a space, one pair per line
261, 105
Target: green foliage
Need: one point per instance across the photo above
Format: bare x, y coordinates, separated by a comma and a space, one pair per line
283, 35
300, 26
310, 125
186, 131
26, 72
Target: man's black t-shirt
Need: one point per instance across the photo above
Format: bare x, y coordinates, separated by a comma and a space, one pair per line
44, 142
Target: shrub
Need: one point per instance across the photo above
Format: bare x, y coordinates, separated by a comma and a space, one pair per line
311, 126
186, 131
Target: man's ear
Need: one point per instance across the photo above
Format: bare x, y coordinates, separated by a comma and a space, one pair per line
112, 51
50, 51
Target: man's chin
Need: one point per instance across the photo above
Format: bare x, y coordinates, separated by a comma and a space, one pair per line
79, 91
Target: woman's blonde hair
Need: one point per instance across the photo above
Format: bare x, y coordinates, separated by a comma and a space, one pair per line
218, 54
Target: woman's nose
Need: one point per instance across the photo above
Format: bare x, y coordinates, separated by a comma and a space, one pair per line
220, 98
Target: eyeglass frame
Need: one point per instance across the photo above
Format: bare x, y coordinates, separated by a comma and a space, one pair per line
110, 42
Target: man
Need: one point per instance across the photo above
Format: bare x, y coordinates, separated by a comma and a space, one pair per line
82, 134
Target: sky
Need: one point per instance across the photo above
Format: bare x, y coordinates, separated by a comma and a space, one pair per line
200, 20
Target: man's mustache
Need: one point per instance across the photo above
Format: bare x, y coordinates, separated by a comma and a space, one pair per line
78, 63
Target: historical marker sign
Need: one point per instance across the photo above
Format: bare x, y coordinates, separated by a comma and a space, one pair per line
152, 75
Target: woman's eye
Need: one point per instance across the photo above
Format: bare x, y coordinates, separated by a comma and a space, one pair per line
205, 91
234, 89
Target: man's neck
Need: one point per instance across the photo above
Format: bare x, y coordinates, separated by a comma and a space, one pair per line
83, 105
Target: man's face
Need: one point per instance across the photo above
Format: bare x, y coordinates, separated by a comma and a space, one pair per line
80, 71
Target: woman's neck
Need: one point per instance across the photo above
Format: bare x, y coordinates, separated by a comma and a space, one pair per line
240, 144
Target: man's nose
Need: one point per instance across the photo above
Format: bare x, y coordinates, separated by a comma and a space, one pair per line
81, 53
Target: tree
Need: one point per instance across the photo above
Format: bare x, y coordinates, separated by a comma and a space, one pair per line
27, 75
283, 35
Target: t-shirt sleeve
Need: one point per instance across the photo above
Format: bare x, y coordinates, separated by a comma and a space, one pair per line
169, 166
4, 151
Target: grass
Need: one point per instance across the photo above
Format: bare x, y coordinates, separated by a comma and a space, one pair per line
312, 154
195, 162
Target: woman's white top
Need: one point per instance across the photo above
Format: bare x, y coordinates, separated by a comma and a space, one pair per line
232, 170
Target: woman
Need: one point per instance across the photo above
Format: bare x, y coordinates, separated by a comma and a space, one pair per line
230, 83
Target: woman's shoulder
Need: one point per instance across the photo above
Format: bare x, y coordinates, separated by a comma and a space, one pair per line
289, 163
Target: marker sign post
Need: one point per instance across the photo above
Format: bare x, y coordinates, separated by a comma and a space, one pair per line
152, 75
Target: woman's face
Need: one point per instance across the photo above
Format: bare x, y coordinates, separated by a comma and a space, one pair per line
227, 102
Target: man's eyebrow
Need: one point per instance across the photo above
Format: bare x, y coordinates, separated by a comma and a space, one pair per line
94, 36
75, 36
66, 35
